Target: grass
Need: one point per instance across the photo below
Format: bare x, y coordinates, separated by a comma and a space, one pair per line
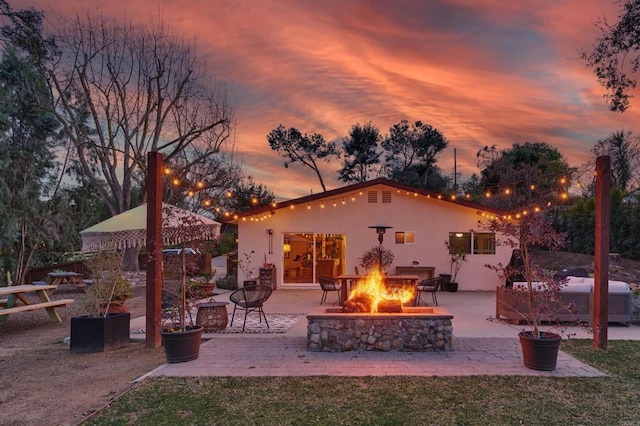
475, 400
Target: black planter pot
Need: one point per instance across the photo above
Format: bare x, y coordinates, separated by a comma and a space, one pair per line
182, 346
452, 287
99, 334
542, 353
247, 283
445, 279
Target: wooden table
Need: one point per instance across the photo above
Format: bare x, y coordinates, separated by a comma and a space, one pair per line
397, 279
17, 293
59, 278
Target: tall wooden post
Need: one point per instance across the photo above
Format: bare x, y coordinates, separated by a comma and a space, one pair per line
154, 250
601, 273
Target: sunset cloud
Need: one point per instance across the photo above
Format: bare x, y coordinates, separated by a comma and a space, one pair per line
483, 72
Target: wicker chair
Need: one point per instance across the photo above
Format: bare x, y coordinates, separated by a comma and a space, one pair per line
250, 299
328, 284
430, 285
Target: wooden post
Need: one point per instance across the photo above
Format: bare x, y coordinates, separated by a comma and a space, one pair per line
154, 250
601, 273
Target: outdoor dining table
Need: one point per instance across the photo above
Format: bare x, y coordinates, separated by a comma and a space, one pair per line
65, 277
347, 280
17, 293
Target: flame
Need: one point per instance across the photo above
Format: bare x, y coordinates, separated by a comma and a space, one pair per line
373, 286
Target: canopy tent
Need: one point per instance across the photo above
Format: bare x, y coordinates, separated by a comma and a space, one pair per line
129, 229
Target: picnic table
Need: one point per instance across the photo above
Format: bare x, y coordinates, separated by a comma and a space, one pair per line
16, 301
58, 278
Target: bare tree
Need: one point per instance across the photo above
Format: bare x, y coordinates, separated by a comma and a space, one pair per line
122, 90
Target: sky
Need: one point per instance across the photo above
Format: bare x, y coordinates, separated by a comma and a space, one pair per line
483, 72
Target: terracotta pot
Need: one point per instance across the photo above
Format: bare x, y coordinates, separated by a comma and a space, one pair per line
207, 289
115, 307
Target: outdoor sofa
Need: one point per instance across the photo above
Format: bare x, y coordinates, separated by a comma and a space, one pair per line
576, 294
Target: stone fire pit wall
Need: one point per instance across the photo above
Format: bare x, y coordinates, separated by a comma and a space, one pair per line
418, 330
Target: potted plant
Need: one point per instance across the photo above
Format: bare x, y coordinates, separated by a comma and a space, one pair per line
540, 291
106, 323
458, 255
181, 336
204, 284
247, 268
376, 256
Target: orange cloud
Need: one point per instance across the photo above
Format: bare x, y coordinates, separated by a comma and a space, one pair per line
483, 72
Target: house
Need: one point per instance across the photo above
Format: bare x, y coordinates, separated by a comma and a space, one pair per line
325, 234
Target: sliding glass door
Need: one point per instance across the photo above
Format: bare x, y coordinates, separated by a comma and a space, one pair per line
309, 255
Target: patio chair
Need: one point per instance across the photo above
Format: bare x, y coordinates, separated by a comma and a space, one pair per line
430, 285
328, 284
250, 299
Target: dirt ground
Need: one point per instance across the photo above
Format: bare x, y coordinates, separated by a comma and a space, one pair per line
43, 383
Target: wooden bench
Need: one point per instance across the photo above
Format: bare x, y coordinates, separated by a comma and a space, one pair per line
17, 302
34, 306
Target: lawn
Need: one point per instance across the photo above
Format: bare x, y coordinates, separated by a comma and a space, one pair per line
474, 400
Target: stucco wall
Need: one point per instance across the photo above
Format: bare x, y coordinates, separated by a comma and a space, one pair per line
430, 219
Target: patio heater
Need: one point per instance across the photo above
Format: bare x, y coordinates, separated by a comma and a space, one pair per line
380, 230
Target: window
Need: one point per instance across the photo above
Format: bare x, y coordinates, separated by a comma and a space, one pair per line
405, 237
472, 242
484, 243
460, 242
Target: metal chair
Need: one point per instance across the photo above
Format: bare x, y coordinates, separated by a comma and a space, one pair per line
430, 285
250, 299
328, 284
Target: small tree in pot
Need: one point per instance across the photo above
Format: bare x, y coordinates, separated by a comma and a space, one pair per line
458, 255
540, 289
181, 336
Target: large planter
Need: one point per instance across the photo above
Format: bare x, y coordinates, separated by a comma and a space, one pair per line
452, 287
99, 334
182, 346
542, 353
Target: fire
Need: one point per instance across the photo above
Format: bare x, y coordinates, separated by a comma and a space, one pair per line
372, 295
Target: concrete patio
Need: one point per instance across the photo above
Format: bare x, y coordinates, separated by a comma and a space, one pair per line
482, 346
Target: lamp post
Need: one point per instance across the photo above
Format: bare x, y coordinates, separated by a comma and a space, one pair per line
380, 230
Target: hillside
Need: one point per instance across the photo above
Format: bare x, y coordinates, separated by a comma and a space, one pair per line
619, 269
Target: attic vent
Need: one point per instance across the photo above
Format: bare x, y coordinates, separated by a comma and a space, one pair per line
386, 196
373, 196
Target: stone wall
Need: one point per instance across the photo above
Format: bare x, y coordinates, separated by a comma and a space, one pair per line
348, 332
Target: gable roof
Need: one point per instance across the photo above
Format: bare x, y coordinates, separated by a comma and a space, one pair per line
345, 190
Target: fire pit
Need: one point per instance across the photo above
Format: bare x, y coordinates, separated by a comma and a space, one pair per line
375, 318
